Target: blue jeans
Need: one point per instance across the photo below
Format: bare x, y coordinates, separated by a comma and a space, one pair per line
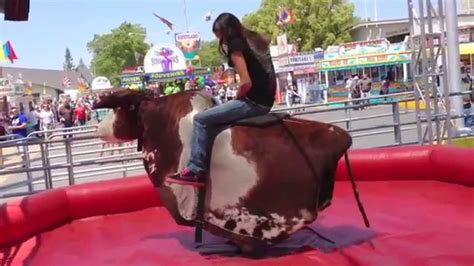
209, 123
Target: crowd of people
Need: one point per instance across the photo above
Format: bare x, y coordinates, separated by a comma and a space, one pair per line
222, 92
51, 114
48, 115
361, 88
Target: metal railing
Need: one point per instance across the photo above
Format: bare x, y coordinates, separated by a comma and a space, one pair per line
65, 156
397, 126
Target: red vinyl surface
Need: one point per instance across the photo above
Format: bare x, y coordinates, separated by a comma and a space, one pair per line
419, 200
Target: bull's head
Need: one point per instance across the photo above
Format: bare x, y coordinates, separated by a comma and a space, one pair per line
122, 124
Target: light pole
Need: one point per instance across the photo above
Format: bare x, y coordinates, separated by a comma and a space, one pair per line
186, 16
454, 72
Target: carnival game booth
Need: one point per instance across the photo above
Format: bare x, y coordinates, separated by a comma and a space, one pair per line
162, 63
376, 58
418, 200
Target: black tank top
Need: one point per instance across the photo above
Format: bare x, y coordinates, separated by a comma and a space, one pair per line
261, 72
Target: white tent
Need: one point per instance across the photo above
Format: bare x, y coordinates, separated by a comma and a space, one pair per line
100, 84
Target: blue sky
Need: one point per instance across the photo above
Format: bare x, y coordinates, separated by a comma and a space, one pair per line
57, 24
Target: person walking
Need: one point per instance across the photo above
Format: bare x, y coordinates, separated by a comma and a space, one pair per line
46, 119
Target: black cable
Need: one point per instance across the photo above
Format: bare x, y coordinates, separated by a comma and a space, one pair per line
356, 192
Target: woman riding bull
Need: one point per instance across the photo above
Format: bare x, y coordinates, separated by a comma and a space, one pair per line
248, 52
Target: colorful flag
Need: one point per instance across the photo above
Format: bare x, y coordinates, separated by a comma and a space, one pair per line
11, 53
208, 16
67, 82
82, 85
2, 56
165, 21
5, 51
284, 16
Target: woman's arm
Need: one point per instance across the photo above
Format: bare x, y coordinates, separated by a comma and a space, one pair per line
241, 67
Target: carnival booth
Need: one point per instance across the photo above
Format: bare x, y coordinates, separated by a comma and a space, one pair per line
376, 58
133, 78
162, 63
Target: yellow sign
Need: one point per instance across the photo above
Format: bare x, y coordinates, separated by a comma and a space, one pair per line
466, 48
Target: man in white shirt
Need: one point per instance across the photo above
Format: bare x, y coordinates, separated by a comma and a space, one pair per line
348, 87
47, 118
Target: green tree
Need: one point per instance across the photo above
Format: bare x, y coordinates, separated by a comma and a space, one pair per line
113, 51
68, 61
319, 23
81, 62
209, 54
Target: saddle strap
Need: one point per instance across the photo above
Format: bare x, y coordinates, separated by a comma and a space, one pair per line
200, 216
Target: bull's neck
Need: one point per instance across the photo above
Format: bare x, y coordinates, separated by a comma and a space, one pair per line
161, 137
168, 130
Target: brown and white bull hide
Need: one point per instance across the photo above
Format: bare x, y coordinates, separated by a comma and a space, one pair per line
264, 183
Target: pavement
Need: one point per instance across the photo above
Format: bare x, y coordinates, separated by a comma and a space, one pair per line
12, 159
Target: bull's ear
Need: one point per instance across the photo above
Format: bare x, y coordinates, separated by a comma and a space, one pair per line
116, 98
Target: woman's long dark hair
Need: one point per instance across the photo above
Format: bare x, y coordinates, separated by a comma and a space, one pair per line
230, 28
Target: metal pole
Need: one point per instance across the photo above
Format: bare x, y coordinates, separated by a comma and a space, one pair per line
414, 71
447, 102
47, 176
326, 79
27, 164
432, 72
365, 9
70, 167
397, 131
348, 119
453, 71
424, 72
186, 16
375, 11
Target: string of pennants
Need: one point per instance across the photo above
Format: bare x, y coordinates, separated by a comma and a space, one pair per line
7, 52
82, 84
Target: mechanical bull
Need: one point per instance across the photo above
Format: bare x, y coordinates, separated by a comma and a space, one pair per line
269, 175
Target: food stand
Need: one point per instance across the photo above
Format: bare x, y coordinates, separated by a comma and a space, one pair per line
376, 58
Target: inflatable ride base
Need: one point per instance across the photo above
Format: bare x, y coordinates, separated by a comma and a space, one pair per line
420, 201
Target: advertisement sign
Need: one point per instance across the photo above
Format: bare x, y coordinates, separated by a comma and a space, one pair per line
132, 70
154, 77
164, 58
282, 43
101, 83
128, 80
318, 54
366, 61
357, 48
188, 42
365, 54
301, 59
